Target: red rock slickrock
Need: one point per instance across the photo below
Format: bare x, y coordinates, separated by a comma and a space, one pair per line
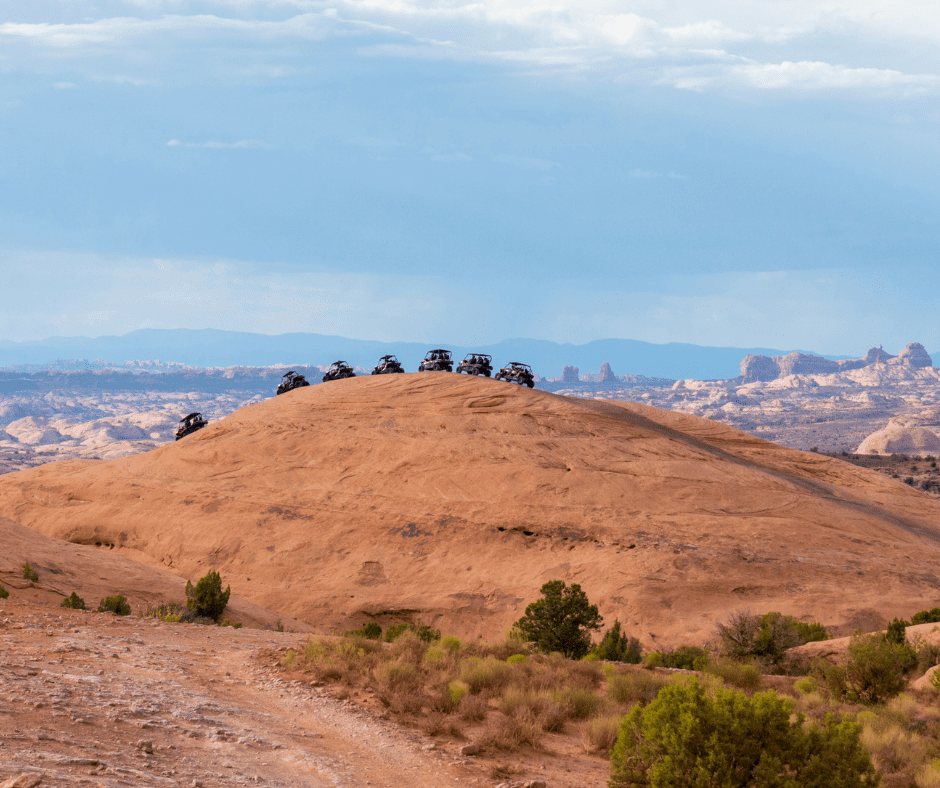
451, 500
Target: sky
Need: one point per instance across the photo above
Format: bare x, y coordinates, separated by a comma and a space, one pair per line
721, 172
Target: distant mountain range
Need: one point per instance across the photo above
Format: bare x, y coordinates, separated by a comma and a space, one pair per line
214, 348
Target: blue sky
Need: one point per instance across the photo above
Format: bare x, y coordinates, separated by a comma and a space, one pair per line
723, 173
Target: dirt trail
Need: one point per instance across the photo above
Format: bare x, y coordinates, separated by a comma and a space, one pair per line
95, 699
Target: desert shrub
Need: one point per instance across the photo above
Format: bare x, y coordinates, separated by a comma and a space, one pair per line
233, 624
896, 748
487, 673
517, 659
540, 706
684, 658
371, 631
472, 708
896, 631
617, 647
116, 604
29, 573
635, 686
874, 670
561, 621
74, 601
600, 733
171, 612
926, 616
513, 733
745, 636
578, 703
207, 597
346, 661
3, 593
687, 737
805, 685
928, 655
738, 674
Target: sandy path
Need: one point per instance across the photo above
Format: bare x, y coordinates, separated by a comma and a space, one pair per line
84, 697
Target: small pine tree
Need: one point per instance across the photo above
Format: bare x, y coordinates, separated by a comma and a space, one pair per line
3, 593
561, 621
896, 632
617, 647
207, 598
75, 602
29, 573
116, 604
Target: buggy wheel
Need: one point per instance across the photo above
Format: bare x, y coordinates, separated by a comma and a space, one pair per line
530, 384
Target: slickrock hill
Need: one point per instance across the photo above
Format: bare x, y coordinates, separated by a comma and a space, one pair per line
451, 500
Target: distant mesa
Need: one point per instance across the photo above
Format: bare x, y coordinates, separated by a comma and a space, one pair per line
756, 368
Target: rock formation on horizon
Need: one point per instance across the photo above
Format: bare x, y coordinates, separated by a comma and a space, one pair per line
766, 368
570, 375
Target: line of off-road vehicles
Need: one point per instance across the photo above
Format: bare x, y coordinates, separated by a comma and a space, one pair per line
437, 360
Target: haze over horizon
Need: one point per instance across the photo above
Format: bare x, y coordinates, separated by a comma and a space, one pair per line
716, 173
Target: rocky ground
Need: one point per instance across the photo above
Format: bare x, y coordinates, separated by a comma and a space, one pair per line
100, 700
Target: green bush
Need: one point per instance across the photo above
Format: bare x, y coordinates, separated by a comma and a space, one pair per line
737, 674
617, 647
3, 593
926, 616
371, 631
75, 602
765, 637
423, 631
688, 738
874, 670
207, 598
684, 658
29, 573
116, 604
561, 621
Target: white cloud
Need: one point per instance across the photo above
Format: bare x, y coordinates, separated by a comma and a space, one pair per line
803, 76
241, 144
64, 85
689, 44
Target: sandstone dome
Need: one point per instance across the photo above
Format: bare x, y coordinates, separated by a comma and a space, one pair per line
902, 436
451, 500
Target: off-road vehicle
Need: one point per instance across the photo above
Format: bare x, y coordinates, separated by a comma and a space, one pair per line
515, 372
476, 364
438, 360
190, 424
337, 371
291, 380
387, 365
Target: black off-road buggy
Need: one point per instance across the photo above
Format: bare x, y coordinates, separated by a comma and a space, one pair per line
292, 380
517, 373
387, 365
190, 424
438, 360
337, 371
476, 364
